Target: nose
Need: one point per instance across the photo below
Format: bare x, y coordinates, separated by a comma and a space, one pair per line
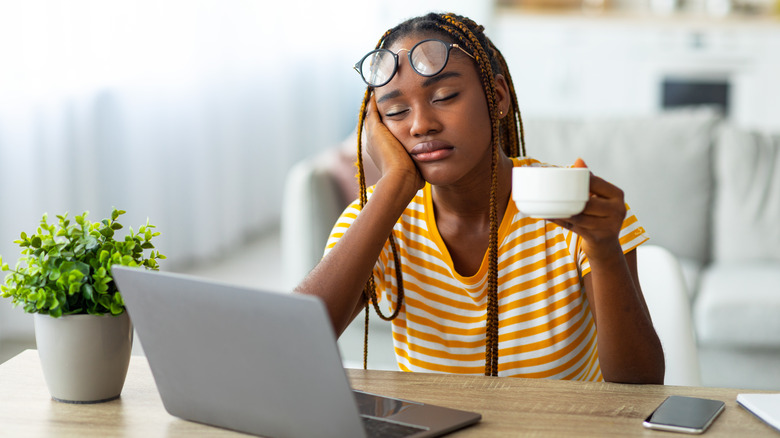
424, 122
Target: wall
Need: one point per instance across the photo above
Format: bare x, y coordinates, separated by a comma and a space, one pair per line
612, 64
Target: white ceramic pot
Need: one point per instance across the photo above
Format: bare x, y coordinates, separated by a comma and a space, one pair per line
84, 357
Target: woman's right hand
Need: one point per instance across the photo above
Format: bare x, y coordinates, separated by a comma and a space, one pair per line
339, 278
387, 153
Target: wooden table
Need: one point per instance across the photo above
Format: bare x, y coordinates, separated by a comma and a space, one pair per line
509, 406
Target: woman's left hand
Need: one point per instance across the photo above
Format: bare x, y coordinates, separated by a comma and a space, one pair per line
599, 224
629, 349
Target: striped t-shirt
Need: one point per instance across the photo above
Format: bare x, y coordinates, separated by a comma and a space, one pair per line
546, 328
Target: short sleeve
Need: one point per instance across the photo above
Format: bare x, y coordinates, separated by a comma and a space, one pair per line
631, 236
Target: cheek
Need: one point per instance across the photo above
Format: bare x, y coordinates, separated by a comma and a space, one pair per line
479, 122
397, 128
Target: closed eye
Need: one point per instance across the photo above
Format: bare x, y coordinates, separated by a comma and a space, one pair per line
446, 98
394, 113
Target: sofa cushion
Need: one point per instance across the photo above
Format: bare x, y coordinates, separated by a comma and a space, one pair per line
662, 163
738, 305
747, 200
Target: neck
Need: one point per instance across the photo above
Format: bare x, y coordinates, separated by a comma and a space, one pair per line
470, 199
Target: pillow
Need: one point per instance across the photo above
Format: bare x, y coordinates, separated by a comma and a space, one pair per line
747, 203
662, 163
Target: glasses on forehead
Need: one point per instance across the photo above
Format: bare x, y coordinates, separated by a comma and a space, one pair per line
427, 58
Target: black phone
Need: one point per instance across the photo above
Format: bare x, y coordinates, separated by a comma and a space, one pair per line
684, 414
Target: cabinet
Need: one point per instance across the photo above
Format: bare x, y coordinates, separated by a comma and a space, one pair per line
616, 64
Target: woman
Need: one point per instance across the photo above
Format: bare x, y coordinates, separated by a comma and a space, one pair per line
471, 284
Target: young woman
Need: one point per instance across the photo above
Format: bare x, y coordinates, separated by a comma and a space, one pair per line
471, 284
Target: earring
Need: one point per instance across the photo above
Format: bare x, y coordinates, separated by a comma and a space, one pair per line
500, 113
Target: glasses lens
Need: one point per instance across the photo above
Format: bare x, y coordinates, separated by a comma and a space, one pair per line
378, 67
429, 57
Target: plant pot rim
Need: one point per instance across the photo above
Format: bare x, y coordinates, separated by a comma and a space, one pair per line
79, 314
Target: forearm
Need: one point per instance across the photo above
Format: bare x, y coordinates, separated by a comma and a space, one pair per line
629, 348
340, 276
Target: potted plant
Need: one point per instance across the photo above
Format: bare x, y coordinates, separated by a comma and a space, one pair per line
63, 277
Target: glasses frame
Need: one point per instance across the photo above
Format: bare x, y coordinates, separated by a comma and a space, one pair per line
358, 65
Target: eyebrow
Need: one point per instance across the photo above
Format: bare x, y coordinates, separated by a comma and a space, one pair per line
427, 83
440, 77
391, 95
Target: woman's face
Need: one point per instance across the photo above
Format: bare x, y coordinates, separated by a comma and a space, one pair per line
442, 121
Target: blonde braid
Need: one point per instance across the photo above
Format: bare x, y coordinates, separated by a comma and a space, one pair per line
369, 291
488, 83
515, 148
504, 134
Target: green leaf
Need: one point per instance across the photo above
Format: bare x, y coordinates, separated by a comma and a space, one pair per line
91, 243
75, 268
65, 266
87, 291
79, 249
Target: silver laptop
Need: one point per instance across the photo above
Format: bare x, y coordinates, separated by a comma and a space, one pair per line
264, 363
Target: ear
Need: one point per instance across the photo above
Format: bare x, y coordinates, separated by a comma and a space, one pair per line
502, 96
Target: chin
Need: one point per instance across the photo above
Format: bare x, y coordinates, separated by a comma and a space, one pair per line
437, 177
441, 174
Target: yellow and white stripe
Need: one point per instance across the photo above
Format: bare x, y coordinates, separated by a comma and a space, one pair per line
546, 328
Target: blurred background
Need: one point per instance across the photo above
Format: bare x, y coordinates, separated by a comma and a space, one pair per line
189, 113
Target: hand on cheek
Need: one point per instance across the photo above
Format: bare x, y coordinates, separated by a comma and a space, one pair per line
385, 150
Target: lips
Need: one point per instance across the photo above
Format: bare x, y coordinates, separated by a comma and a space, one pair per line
431, 151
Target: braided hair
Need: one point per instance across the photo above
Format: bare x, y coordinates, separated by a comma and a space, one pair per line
507, 133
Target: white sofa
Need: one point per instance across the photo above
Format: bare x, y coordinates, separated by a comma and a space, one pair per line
705, 190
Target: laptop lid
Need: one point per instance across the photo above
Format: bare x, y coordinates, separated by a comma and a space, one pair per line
260, 362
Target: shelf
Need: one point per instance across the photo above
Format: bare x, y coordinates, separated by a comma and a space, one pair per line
646, 18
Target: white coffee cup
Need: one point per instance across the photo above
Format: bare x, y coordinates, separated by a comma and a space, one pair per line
550, 192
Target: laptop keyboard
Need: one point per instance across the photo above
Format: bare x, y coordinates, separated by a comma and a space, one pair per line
387, 429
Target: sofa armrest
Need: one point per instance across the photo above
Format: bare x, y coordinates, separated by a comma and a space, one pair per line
665, 292
312, 203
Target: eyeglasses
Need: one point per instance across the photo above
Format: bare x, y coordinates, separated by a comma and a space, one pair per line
427, 58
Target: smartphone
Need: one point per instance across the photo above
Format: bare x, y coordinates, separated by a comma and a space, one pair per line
684, 414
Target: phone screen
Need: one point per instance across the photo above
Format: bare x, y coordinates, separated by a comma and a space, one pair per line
684, 414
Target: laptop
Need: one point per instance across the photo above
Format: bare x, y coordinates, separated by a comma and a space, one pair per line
260, 362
